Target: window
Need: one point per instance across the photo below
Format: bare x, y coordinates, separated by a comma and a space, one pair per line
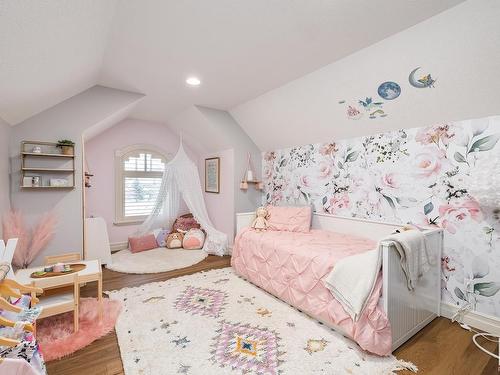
139, 171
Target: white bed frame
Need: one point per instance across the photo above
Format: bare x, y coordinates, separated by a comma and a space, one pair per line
408, 311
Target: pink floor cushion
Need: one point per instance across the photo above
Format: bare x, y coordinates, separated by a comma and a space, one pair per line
292, 219
193, 239
57, 338
142, 243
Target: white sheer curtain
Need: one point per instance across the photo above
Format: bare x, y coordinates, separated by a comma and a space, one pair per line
181, 180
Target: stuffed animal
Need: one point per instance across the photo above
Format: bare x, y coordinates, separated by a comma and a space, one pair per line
185, 223
161, 237
193, 239
260, 222
174, 240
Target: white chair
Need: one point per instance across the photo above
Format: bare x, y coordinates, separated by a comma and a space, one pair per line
7, 253
55, 304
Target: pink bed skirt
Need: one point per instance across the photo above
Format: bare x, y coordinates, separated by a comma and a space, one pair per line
292, 267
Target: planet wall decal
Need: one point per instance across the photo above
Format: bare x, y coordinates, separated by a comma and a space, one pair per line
389, 90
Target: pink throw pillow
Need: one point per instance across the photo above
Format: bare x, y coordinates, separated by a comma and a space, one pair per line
291, 219
142, 243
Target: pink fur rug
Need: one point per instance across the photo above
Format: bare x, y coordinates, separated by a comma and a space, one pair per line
55, 334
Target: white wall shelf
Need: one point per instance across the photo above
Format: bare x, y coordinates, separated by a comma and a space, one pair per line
44, 160
47, 155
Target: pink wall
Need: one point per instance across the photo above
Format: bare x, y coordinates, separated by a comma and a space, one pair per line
221, 206
100, 156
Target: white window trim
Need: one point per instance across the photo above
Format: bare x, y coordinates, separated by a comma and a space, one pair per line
119, 188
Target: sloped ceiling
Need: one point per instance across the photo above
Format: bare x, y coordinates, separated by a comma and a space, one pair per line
240, 49
209, 130
459, 47
51, 50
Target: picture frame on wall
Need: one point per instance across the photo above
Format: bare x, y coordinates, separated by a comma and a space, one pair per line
212, 175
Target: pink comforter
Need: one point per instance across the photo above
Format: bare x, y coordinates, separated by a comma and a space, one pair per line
292, 265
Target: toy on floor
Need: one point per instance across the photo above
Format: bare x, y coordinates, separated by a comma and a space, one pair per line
193, 239
260, 222
185, 223
174, 240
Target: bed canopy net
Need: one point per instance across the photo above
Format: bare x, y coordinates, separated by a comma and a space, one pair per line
181, 181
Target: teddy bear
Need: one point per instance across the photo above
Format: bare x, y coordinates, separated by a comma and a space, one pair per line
174, 240
260, 222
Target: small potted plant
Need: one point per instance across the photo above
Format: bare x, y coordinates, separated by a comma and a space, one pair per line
66, 146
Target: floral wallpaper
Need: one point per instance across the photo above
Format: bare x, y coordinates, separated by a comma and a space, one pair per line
422, 176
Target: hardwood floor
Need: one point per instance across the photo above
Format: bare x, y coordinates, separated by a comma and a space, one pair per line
444, 348
441, 348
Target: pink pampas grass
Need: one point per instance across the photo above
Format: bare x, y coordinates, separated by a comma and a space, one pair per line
42, 234
30, 243
56, 336
14, 226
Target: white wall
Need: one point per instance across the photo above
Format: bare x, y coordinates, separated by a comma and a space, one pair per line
460, 47
4, 169
225, 125
67, 120
220, 206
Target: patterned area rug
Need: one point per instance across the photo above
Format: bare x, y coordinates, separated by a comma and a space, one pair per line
217, 323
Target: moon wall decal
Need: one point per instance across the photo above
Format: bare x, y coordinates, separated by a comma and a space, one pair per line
426, 81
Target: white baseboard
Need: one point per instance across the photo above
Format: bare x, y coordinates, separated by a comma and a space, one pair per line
117, 246
474, 319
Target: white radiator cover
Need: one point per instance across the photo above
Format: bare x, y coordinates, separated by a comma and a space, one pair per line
410, 311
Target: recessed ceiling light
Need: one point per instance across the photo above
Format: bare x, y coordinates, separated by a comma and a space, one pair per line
193, 81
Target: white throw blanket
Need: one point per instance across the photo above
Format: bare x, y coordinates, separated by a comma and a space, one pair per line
412, 248
353, 278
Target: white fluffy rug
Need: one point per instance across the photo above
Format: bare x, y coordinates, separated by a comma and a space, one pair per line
216, 323
154, 261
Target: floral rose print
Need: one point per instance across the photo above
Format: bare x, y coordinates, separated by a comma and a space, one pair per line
413, 175
429, 162
328, 149
456, 212
435, 134
324, 170
338, 203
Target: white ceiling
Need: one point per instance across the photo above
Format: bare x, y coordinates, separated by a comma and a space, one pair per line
49, 51
240, 49
53, 49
